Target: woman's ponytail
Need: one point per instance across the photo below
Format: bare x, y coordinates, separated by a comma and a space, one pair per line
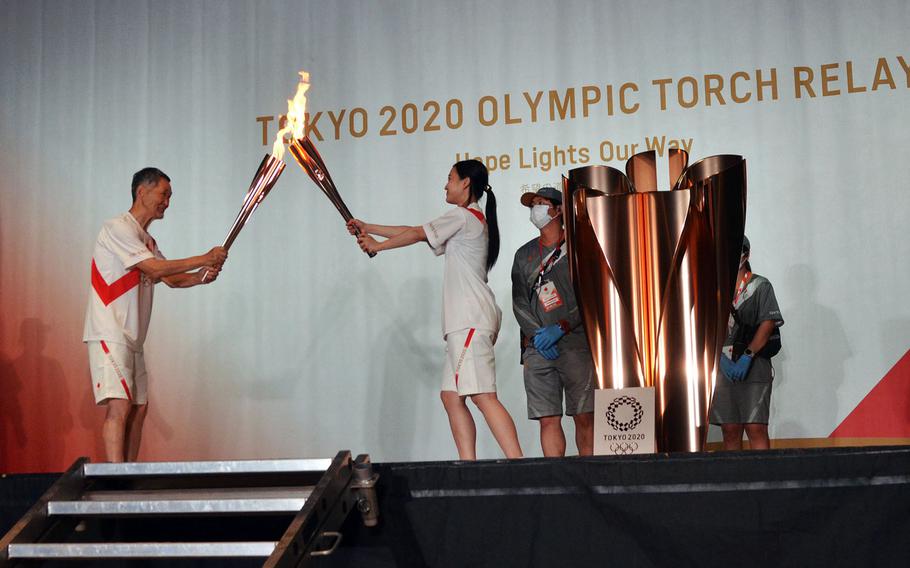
492, 228
477, 173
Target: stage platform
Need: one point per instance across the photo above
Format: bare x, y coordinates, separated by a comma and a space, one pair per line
793, 507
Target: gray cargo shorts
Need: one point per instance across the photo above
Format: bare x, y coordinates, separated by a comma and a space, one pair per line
745, 402
571, 373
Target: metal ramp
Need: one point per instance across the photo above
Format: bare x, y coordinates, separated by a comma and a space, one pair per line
273, 513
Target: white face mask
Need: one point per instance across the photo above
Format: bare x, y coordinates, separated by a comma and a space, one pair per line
540, 215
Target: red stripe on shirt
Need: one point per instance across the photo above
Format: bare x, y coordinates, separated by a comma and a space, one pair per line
110, 292
477, 214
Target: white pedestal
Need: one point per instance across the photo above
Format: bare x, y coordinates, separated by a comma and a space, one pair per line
624, 421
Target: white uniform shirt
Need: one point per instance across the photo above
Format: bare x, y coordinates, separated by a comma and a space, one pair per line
467, 300
120, 302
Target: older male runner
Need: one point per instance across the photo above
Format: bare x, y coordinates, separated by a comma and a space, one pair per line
126, 264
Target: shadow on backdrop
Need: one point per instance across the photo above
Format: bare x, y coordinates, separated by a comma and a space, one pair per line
406, 390
815, 352
12, 429
44, 401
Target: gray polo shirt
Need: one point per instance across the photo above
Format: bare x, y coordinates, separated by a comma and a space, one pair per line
530, 311
756, 304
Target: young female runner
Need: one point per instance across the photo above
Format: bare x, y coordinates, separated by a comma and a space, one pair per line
470, 242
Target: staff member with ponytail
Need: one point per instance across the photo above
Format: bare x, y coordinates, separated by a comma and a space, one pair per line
471, 319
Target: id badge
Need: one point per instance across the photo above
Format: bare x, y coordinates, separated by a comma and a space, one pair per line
728, 351
549, 296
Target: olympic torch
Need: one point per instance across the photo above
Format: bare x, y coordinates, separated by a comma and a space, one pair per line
269, 170
304, 151
309, 159
266, 176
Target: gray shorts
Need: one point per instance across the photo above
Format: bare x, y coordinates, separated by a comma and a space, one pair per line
545, 382
747, 402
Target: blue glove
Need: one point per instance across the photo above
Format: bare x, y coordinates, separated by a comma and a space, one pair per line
546, 337
549, 354
738, 370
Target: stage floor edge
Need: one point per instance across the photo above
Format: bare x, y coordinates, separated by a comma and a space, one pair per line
831, 506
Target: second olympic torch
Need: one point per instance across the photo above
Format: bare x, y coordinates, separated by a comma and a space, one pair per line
303, 149
309, 159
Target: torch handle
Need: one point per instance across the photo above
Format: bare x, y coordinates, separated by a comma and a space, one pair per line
357, 233
229, 239
226, 244
346, 215
342, 208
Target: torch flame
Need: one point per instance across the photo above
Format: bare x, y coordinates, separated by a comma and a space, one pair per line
296, 117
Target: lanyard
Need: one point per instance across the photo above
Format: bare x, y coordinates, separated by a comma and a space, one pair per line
741, 287
547, 263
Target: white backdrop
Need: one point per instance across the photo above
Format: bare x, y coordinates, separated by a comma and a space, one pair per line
304, 346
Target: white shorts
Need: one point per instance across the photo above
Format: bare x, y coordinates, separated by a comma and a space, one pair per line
117, 372
470, 366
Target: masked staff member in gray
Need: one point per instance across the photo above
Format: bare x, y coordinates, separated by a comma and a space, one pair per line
555, 352
742, 396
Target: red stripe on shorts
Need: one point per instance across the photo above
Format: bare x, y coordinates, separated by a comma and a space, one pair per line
126, 388
129, 396
467, 343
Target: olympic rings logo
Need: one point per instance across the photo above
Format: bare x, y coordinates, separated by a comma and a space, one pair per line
622, 448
